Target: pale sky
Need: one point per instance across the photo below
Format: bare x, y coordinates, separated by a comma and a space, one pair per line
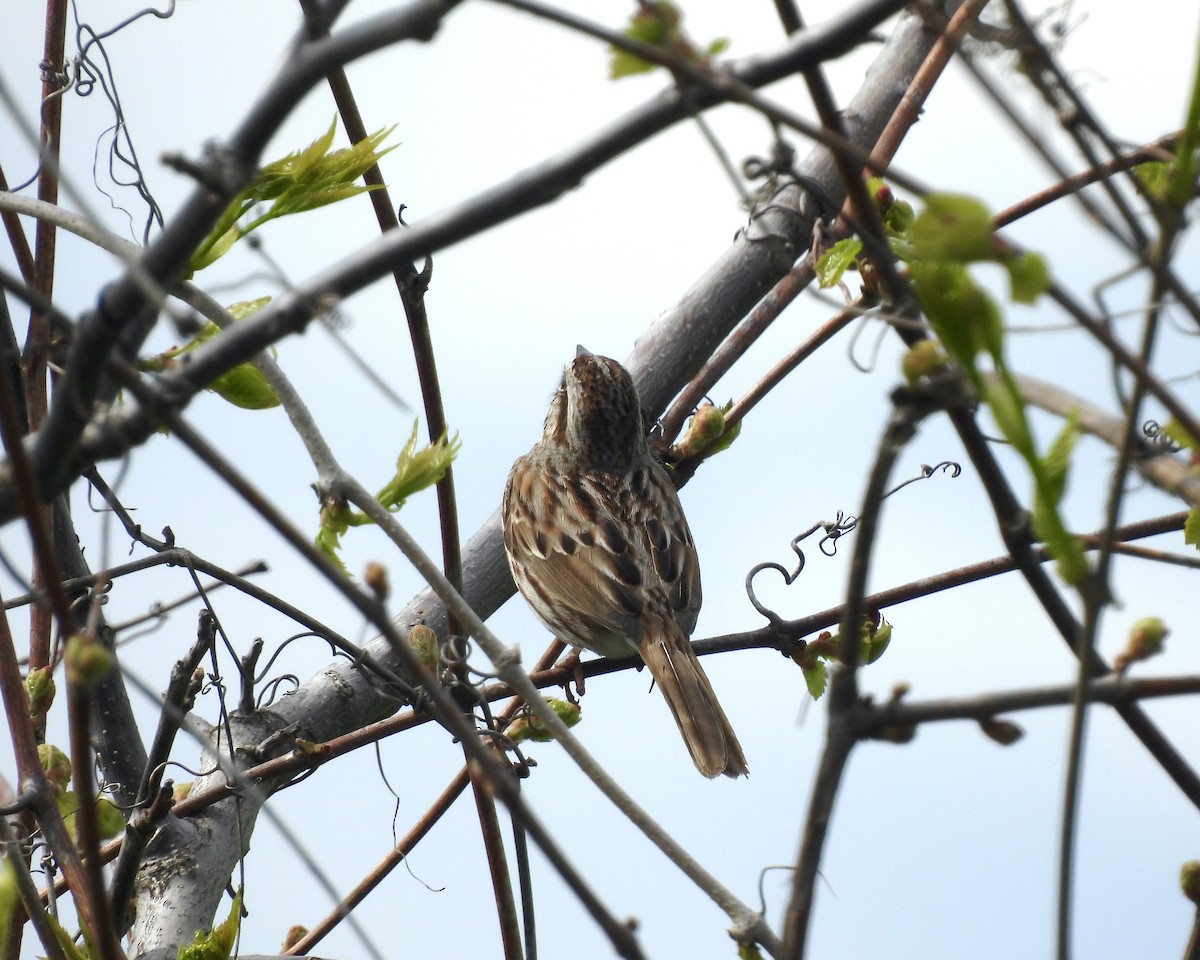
943, 848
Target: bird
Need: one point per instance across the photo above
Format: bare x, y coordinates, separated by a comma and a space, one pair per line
599, 547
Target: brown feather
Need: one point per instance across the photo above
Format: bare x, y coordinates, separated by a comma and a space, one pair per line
599, 546
705, 728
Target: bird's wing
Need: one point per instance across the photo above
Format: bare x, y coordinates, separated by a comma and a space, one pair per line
658, 512
564, 542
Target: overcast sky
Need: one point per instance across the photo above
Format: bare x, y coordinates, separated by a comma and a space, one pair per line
943, 848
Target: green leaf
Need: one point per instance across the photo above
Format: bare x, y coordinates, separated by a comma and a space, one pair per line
658, 23
965, 318
728, 435
1028, 277
108, 818
1050, 480
243, 308
653, 24
1191, 528
949, 233
39, 690
923, 359
1177, 433
952, 228
1155, 176
1182, 181
1008, 411
528, 725
897, 214
244, 386
625, 64
56, 765
304, 180
1057, 460
417, 469
815, 678
1064, 548
71, 950
899, 217
109, 821
874, 640
10, 897
217, 945
835, 261
334, 522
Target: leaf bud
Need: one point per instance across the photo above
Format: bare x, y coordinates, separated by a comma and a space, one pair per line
39, 688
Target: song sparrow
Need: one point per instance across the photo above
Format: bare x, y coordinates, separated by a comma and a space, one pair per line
599, 547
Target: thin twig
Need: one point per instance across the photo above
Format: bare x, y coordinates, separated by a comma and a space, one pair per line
1096, 595
843, 729
1111, 689
1155, 150
82, 872
27, 891
414, 836
439, 703
176, 703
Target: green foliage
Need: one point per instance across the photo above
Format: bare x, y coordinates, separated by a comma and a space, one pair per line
897, 214
813, 658
56, 765
952, 229
962, 314
1181, 179
947, 236
1189, 880
816, 678
87, 661
835, 261
1050, 480
40, 690
923, 359
706, 434
335, 520
529, 726
217, 945
415, 470
1028, 277
243, 386
658, 23
305, 180
728, 434
1178, 434
1191, 528
874, 640
957, 230
1147, 638
109, 821
1058, 458
10, 899
1155, 176
71, 950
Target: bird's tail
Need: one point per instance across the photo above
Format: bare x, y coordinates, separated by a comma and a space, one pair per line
706, 730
